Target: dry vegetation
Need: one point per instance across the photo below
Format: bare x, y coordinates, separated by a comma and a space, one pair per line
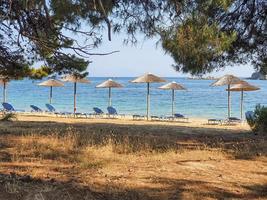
90, 159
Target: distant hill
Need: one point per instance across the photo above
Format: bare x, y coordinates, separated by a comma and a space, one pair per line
258, 76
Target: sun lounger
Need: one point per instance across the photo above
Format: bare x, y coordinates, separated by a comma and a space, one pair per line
250, 115
36, 108
138, 117
177, 117
52, 110
9, 108
233, 120
98, 111
112, 112
215, 121
155, 117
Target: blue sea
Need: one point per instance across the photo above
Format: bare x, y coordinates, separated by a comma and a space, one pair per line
200, 100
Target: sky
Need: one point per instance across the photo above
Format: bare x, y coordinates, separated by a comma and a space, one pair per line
145, 57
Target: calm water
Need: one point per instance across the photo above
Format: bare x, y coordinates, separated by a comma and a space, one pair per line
199, 101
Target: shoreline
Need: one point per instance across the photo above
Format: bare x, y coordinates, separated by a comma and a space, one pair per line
127, 120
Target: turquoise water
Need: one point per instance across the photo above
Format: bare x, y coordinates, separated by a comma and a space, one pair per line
200, 100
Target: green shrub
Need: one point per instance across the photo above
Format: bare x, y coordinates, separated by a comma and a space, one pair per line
258, 122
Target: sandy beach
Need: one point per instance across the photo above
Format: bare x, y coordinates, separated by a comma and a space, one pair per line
128, 120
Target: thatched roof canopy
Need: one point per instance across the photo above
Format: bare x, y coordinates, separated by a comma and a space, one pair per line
243, 86
51, 82
226, 80
75, 79
148, 78
172, 86
109, 84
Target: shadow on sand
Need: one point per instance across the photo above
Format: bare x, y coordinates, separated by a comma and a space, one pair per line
16, 187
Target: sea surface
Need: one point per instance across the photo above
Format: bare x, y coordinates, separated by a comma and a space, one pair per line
200, 100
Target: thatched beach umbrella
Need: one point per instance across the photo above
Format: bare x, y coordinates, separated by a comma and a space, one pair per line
109, 84
148, 78
51, 83
75, 79
242, 87
172, 86
4, 81
227, 80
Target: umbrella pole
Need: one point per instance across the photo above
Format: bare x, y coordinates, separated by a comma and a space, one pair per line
229, 102
4, 92
109, 96
50, 96
148, 102
241, 104
74, 103
173, 102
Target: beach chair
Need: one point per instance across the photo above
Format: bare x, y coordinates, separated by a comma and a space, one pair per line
178, 117
112, 112
36, 108
232, 120
155, 118
215, 121
98, 111
138, 117
9, 108
52, 110
250, 115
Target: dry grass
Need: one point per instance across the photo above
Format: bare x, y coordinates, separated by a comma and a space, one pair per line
58, 160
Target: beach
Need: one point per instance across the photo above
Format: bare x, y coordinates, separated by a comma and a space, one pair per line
133, 100
76, 158
128, 120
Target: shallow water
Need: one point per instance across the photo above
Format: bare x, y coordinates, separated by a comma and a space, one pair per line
200, 100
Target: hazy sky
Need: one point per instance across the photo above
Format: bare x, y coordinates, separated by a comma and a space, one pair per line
145, 57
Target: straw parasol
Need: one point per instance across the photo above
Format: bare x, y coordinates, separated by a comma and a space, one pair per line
148, 78
75, 79
227, 80
241, 87
172, 86
4, 81
51, 83
109, 84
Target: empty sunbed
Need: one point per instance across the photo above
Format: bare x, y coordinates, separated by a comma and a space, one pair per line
98, 111
36, 108
112, 112
138, 117
250, 115
9, 108
156, 118
177, 116
215, 121
233, 120
52, 109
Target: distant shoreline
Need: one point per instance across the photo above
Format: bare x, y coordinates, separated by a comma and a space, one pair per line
202, 78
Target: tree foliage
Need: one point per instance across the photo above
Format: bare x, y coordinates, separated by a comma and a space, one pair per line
198, 47
38, 31
258, 121
205, 35
201, 36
